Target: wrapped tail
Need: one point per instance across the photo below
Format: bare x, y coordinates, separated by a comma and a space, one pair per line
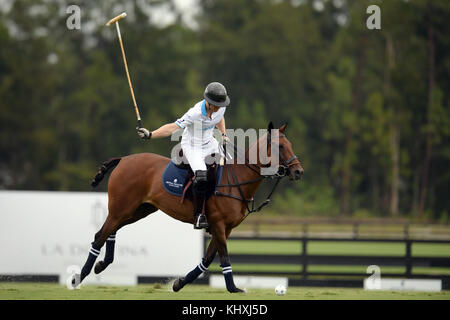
106, 166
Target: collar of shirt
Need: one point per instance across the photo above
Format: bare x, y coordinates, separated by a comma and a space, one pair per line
204, 109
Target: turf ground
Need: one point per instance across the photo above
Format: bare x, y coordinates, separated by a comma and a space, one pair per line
47, 291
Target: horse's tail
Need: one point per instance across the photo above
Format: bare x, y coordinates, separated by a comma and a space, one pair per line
106, 166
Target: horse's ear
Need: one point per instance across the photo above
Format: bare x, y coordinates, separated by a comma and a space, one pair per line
283, 127
269, 133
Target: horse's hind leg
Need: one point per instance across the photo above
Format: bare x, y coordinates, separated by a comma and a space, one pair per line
109, 255
141, 212
108, 228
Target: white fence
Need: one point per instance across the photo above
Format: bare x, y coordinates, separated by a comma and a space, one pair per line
44, 233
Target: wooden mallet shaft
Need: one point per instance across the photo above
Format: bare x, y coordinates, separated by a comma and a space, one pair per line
120, 16
116, 21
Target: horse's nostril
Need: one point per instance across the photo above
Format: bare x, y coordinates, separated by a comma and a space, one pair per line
298, 174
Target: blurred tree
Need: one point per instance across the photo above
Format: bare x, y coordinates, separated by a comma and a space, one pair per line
368, 110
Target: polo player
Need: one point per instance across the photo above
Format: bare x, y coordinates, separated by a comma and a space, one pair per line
198, 141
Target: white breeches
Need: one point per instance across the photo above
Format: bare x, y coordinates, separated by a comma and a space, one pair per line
197, 156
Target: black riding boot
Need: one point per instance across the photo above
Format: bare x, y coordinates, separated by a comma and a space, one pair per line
200, 184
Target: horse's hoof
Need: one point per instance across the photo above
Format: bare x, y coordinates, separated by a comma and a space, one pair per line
99, 267
178, 284
76, 281
237, 290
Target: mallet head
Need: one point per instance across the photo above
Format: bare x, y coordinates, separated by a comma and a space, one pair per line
120, 16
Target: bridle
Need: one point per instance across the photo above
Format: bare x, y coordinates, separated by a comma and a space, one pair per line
283, 170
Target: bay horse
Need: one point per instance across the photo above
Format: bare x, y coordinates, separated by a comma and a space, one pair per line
135, 190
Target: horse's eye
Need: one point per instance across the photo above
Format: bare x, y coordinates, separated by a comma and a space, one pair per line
281, 146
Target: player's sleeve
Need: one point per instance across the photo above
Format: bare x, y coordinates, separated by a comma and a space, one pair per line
186, 120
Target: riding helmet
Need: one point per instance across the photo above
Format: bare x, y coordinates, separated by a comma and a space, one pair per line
216, 94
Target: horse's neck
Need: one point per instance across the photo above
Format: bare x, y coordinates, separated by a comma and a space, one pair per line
244, 174
254, 150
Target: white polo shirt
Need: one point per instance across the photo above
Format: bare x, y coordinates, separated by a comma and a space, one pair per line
198, 127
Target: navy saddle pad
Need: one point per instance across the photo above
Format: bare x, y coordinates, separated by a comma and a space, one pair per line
173, 178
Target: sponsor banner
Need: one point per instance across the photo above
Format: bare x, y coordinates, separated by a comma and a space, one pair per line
46, 233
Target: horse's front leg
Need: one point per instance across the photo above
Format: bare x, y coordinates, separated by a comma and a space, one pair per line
221, 243
199, 269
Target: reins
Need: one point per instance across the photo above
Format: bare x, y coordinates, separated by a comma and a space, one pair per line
229, 170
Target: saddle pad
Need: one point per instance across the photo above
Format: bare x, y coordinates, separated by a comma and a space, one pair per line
174, 178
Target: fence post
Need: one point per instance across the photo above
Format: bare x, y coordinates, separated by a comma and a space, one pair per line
355, 230
408, 261
406, 230
305, 257
256, 228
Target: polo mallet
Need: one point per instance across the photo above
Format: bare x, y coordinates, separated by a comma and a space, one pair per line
116, 21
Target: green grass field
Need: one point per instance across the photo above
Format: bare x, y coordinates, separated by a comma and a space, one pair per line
46, 291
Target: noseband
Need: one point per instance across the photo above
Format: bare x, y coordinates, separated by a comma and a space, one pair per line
284, 169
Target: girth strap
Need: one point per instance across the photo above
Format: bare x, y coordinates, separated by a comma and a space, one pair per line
188, 184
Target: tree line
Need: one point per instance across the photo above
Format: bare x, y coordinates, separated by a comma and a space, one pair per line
368, 110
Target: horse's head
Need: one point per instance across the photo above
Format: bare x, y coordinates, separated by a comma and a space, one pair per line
288, 159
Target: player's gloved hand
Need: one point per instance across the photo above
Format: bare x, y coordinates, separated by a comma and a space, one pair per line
225, 138
144, 133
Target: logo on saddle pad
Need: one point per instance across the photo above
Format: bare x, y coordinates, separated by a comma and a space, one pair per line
174, 184
174, 178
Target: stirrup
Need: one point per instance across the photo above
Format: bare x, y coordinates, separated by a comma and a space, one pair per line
201, 222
